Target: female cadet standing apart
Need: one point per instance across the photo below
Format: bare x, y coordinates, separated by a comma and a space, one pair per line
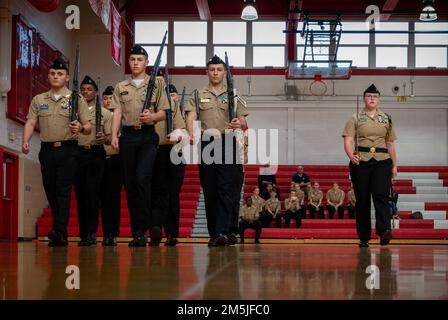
138, 141
372, 166
59, 145
218, 180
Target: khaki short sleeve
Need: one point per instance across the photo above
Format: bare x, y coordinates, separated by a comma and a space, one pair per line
178, 121
107, 122
83, 111
162, 102
116, 104
350, 128
190, 106
33, 110
390, 135
241, 107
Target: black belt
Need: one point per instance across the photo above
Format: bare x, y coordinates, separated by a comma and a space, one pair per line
58, 144
136, 128
92, 147
373, 150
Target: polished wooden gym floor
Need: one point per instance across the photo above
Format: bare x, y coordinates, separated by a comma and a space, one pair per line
32, 270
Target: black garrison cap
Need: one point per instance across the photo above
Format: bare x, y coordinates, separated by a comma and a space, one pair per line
138, 49
371, 89
173, 88
108, 91
88, 80
215, 60
59, 64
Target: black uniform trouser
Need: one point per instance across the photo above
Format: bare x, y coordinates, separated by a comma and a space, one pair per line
289, 214
167, 181
372, 179
218, 181
138, 149
111, 196
351, 211
254, 225
332, 210
176, 178
58, 166
313, 212
89, 175
233, 224
267, 218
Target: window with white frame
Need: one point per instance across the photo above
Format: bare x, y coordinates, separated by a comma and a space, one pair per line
431, 48
230, 37
269, 42
149, 34
190, 43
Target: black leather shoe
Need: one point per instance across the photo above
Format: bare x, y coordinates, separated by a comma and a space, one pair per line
156, 236
363, 244
138, 241
232, 239
110, 241
56, 239
385, 238
92, 239
221, 241
171, 242
212, 242
84, 243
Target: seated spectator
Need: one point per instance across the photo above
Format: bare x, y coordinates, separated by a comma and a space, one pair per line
257, 200
292, 207
351, 206
335, 200
249, 219
265, 177
272, 211
266, 194
302, 179
315, 201
301, 195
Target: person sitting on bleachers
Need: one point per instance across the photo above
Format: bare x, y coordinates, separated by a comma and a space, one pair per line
335, 199
249, 215
302, 179
272, 210
266, 194
351, 203
265, 177
301, 195
315, 201
292, 207
257, 200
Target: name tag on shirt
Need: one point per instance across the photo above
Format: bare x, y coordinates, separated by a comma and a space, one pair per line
124, 93
205, 100
43, 107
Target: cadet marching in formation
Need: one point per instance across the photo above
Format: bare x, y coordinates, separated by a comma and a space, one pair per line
134, 142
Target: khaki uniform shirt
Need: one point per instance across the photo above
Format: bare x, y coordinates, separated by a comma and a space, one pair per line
301, 195
258, 202
335, 196
249, 213
214, 109
292, 205
273, 205
54, 115
108, 148
178, 123
372, 132
351, 196
130, 99
315, 196
106, 123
